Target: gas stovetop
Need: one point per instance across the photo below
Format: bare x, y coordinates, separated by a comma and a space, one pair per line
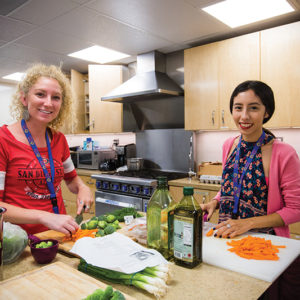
141, 182
152, 174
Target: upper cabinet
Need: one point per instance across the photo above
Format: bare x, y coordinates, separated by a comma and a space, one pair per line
280, 65
76, 121
211, 73
105, 117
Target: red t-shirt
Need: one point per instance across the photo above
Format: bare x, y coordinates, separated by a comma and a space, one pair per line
22, 180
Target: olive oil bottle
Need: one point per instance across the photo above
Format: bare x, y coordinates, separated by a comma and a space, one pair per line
188, 230
157, 218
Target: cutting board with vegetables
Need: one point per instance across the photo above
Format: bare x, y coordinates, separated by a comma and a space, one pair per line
215, 252
64, 245
54, 281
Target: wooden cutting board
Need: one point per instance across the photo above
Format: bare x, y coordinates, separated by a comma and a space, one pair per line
65, 246
54, 281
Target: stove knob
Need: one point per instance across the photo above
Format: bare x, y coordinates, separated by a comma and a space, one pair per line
105, 185
146, 191
115, 187
124, 188
135, 189
98, 184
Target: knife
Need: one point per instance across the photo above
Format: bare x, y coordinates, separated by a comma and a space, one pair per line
79, 218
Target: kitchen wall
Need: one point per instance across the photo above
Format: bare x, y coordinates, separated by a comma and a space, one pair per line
105, 139
6, 92
208, 145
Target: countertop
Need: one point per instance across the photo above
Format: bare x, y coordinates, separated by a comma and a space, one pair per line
204, 281
194, 182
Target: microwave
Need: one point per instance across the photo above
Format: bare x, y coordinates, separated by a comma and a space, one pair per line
90, 159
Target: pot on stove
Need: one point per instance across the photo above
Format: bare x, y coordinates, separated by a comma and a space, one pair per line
135, 163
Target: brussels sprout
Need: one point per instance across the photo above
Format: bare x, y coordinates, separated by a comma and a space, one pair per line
110, 218
92, 224
109, 229
102, 224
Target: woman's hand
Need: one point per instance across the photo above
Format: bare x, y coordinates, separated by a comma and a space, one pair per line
210, 207
84, 199
63, 223
232, 228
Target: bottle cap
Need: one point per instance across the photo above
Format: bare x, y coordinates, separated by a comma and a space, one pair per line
162, 180
188, 190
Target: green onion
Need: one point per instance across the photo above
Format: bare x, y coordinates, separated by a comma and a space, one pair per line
151, 280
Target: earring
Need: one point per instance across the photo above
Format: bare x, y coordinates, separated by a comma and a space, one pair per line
25, 113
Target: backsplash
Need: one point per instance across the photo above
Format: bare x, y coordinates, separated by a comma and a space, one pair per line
104, 139
208, 145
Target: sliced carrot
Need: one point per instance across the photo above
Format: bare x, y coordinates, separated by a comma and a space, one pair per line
80, 233
255, 248
210, 232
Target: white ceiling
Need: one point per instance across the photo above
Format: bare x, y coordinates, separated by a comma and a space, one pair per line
47, 30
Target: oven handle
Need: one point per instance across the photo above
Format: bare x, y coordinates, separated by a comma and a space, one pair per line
113, 202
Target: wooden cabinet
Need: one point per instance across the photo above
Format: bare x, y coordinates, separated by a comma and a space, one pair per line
70, 198
76, 121
202, 196
201, 87
211, 73
280, 63
105, 117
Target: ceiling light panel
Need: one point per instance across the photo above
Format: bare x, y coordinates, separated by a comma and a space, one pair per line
18, 76
98, 54
235, 13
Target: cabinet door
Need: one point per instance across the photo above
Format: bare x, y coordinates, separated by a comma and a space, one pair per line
105, 117
280, 61
75, 122
201, 87
238, 60
202, 196
70, 198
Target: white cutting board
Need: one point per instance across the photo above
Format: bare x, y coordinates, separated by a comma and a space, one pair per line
215, 253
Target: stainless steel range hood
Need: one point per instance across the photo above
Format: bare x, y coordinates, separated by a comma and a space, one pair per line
149, 83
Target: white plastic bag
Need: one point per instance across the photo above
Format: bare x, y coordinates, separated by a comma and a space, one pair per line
14, 242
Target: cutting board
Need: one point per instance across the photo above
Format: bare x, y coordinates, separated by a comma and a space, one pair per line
65, 246
54, 281
215, 253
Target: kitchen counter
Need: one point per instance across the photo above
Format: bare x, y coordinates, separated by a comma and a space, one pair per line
204, 281
87, 172
194, 182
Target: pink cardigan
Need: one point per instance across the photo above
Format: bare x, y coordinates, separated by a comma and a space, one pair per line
284, 183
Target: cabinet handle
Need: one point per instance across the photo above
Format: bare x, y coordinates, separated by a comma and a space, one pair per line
203, 199
223, 118
213, 117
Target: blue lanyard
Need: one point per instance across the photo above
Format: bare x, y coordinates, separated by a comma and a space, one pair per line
49, 180
237, 184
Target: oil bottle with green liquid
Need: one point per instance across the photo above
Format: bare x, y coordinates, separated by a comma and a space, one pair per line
158, 236
188, 230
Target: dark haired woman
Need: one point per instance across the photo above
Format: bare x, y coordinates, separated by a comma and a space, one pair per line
260, 188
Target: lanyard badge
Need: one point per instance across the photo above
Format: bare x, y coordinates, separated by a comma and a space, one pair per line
49, 180
237, 184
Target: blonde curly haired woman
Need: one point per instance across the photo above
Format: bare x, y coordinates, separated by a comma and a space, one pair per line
35, 157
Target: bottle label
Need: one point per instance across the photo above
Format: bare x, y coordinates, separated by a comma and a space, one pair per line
183, 238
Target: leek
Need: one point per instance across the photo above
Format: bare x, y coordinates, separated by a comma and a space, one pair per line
150, 279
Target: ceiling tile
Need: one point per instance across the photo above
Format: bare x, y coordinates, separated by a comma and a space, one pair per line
39, 12
25, 56
9, 5
60, 43
12, 29
103, 31
172, 20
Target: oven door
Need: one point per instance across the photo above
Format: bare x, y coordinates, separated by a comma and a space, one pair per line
106, 202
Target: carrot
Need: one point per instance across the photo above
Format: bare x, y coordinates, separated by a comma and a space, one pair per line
80, 233
255, 248
210, 232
